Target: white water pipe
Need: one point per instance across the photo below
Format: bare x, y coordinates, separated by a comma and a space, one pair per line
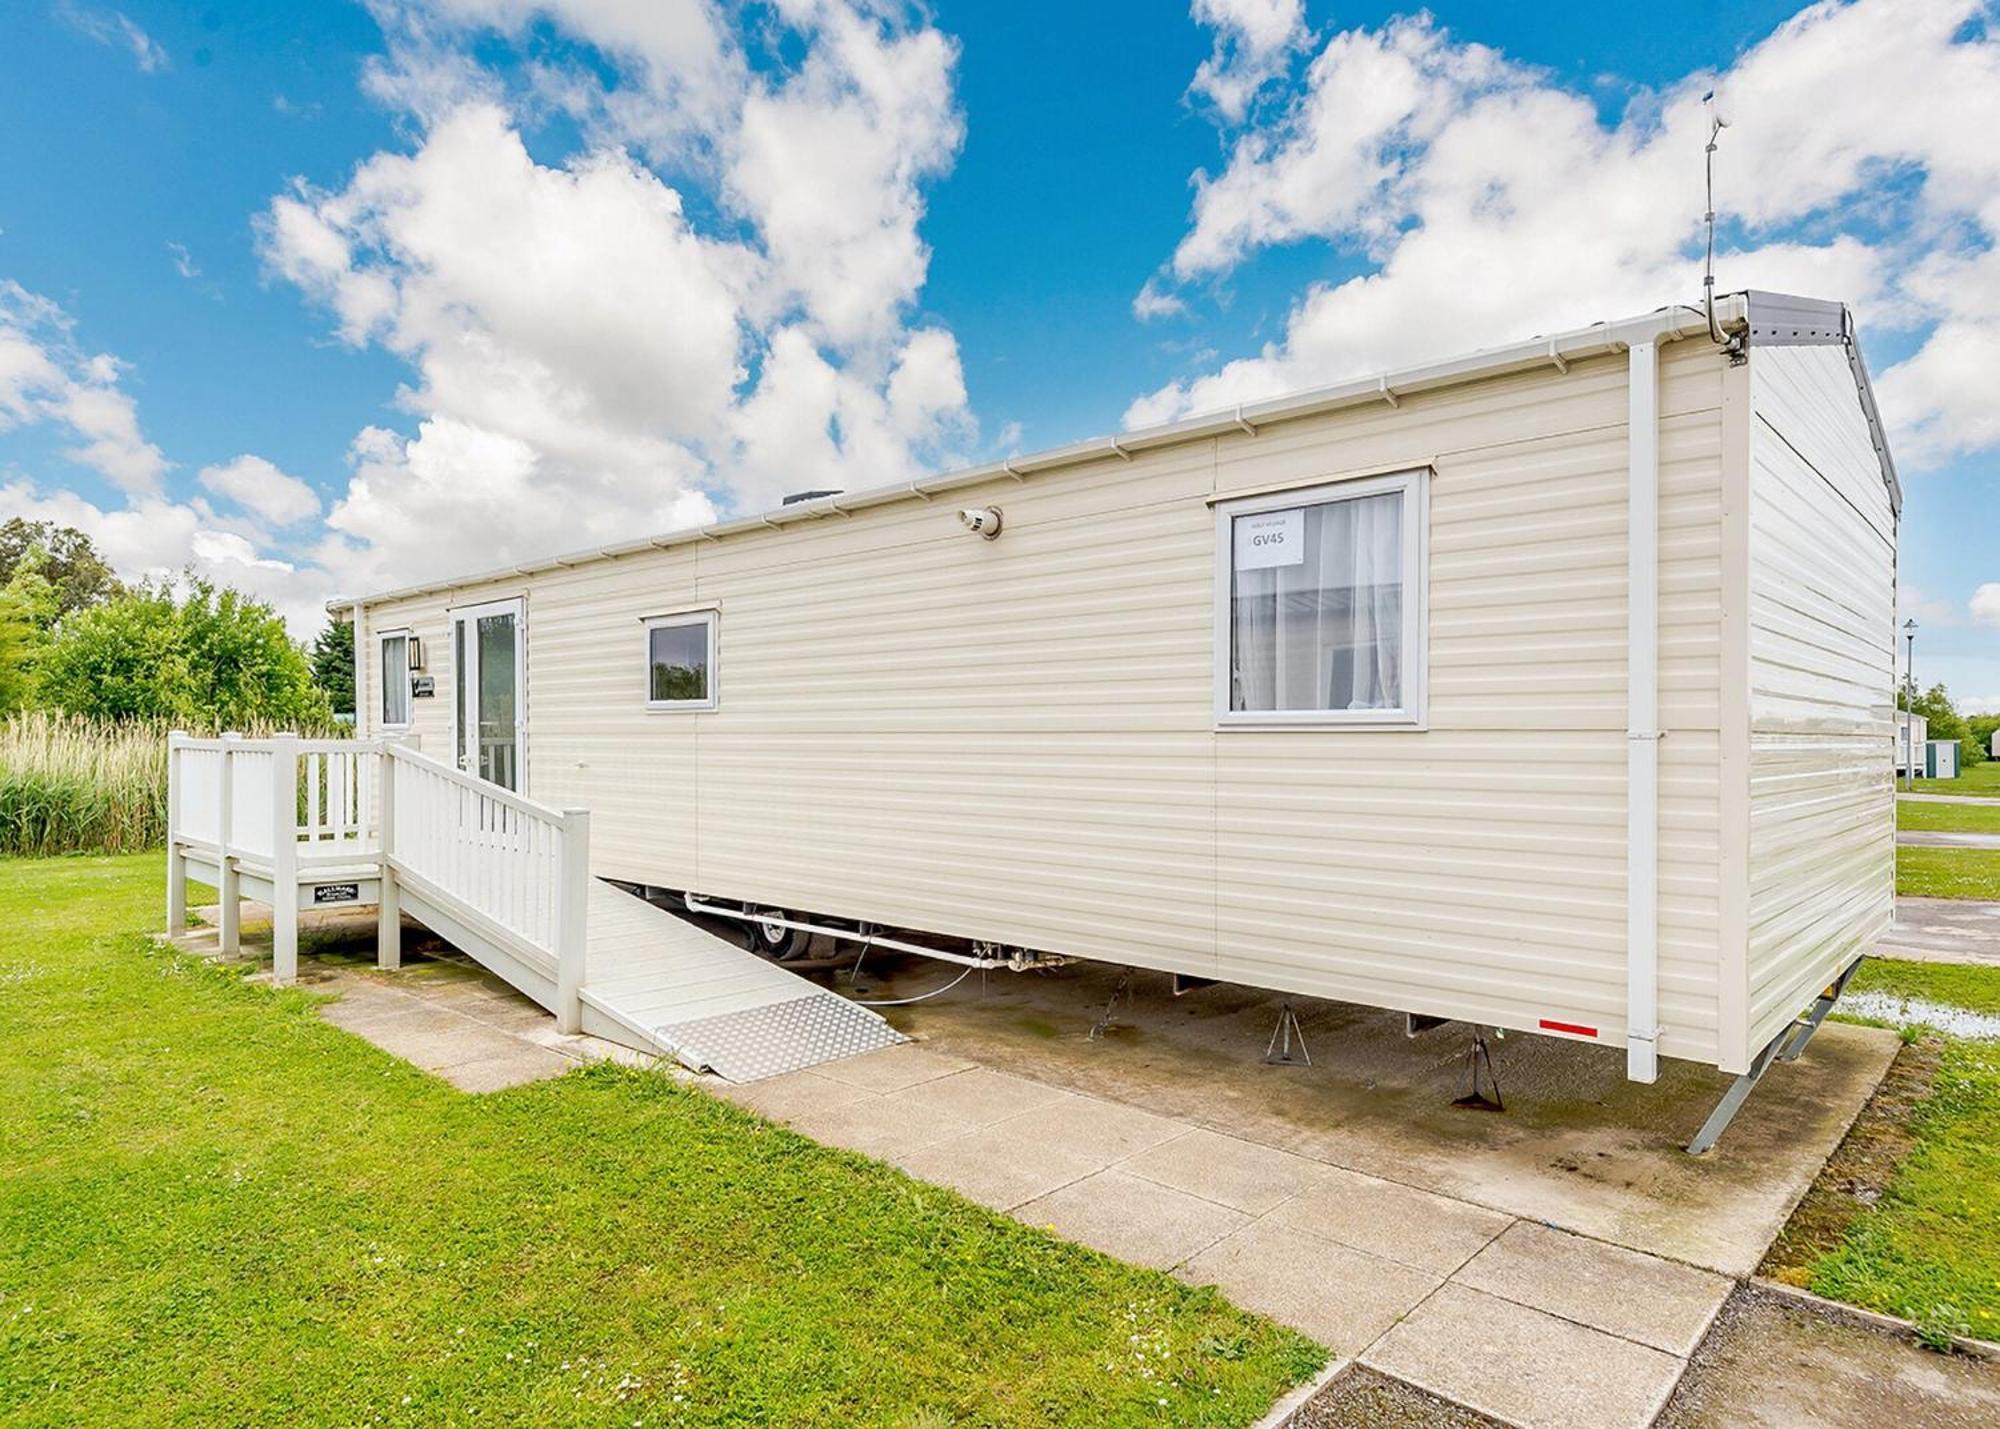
1018, 963
1642, 719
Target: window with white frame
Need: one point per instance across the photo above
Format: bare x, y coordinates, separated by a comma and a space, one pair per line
680, 661
1320, 604
396, 680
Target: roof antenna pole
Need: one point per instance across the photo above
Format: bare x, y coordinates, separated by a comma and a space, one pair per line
1718, 121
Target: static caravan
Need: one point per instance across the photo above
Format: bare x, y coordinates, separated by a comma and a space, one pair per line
1548, 688
1912, 733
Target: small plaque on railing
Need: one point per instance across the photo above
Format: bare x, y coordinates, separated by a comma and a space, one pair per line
337, 893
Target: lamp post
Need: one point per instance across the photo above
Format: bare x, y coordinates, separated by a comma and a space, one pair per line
1910, 705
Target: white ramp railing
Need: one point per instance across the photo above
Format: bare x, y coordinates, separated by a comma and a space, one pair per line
523, 867
284, 809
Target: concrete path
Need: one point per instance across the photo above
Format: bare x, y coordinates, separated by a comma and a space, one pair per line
1484, 1308
1940, 838
1948, 798
1944, 930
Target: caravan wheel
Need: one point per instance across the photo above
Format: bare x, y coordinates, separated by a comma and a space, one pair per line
774, 940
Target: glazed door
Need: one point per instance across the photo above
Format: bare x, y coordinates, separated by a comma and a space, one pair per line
489, 691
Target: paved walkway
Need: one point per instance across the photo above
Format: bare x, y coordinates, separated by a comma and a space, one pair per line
1944, 930
1473, 1304
1947, 798
1940, 838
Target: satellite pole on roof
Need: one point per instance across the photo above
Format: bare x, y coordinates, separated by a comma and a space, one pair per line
1718, 120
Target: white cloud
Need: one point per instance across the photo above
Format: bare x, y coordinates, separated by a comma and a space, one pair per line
114, 28
589, 358
1984, 606
1914, 602
1154, 301
46, 377
1254, 43
184, 263
1488, 202
257, 487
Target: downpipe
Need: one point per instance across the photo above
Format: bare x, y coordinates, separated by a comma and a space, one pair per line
1642, 732
1018, 961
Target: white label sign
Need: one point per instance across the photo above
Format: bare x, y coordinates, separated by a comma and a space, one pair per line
1270, 538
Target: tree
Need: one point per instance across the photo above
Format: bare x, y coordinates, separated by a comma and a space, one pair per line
66, 559
1943, 721
213, 659
19, 647
333, 665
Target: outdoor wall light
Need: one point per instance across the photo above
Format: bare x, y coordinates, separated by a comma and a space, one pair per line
982, 521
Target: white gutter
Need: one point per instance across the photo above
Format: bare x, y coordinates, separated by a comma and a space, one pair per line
1598, 340
1642, 718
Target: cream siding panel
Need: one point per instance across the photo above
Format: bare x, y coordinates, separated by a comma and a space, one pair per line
1477, 869
1822, 637
1014, 740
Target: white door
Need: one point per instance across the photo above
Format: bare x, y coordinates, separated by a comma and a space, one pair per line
489, 691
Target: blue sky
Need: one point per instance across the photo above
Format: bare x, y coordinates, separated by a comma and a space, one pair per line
271, 262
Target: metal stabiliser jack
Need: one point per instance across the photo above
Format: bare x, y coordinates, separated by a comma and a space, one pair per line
1480, 1055
1105, 1020
1279, 1053
1785, 1047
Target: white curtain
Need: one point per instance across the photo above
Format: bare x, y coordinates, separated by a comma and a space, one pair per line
1325, 632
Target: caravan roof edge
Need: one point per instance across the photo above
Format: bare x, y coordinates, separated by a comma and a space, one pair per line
1664, 325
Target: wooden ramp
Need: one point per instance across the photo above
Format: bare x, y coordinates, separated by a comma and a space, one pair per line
307, 824
657, 982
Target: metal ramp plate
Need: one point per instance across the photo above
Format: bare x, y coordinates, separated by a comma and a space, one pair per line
781, 1037
709, 1003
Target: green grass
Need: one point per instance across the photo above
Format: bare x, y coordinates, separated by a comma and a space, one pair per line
1948, 872
1977, 989
217, 1208
1948, 818
1929, 1248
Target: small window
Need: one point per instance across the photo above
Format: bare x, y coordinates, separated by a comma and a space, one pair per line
1320, 605
680, 662
396, 680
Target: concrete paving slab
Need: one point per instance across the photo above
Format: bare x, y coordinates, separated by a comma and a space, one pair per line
1944, 930
1623, 1292
435, 1044
876, 1126
893, 1068
1089, 1126
1132, 1218
980, 1096
1395, 1222
1239, 1174
1524, 1365
1947, 798
512, 1069
1944, 838
1578, 1146
787, 1097
1002, 1166
1342, 1297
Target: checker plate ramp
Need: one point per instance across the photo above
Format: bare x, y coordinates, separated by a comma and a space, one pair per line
656, 981
783, 1037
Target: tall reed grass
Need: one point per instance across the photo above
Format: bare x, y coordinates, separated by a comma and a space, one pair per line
71, 785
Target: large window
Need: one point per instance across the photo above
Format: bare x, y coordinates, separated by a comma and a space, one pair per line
680, 662
1320, 605
396, 680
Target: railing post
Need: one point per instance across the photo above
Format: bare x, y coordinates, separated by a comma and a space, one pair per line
285, 859
389, 906
572, 919
176, 860
229, 883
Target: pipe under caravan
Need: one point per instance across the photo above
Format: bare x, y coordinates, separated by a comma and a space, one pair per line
1548, 688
